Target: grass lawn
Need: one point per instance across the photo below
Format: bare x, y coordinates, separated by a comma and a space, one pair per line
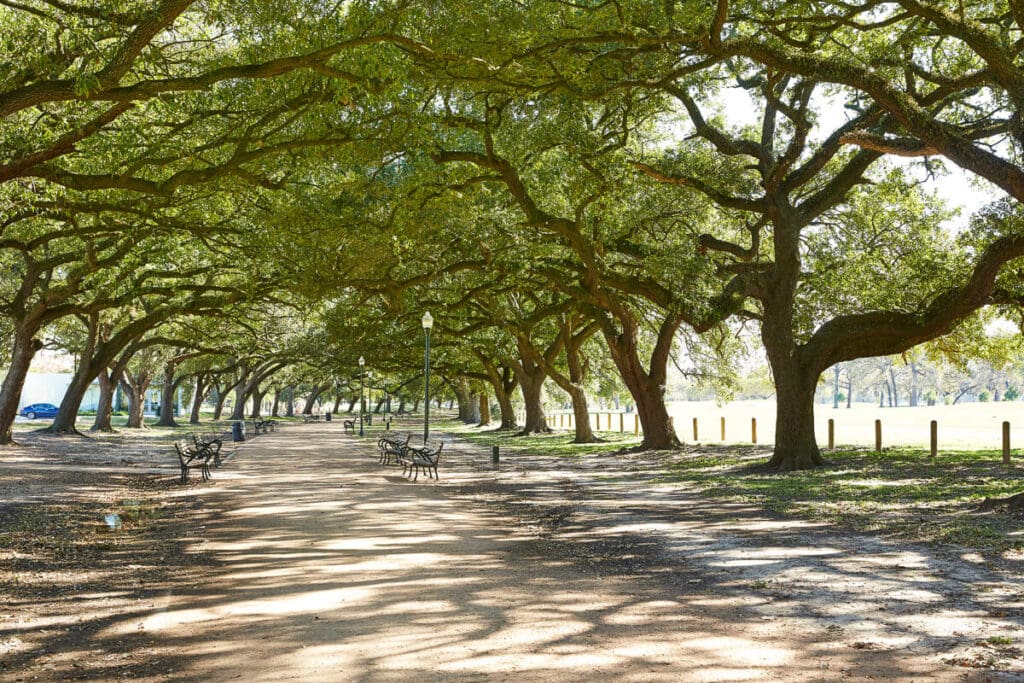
899, 492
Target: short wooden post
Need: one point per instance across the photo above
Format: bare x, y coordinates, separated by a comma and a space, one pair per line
1006, 443
636, 424
597, 422
934, 438
723, 429
831, 433
878, 436
609, 422
753, 430
694, 429
494, 455
622, 423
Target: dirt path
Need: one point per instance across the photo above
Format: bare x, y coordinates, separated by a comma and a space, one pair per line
327, 567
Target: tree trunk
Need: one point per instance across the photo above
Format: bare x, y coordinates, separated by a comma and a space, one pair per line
646, 387
401, 404
307, 409
275, 411
290, 409
485, 410
25, 348
895, 401
416, 405
104, 404
796, 447
835, 391
218, 408
531, 381
167, 391
201, 390
352, 404
135, 389
257, 403
238, 409
503, 382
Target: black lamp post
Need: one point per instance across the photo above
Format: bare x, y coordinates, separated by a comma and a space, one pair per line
362, 405
428, 322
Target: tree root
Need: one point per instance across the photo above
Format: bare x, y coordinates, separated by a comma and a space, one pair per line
1014, 504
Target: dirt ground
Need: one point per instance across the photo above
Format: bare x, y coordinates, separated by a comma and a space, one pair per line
304, 559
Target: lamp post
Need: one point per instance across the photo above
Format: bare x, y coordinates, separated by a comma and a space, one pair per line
362, 362
428, 322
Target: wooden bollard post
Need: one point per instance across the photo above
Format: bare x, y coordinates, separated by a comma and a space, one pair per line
694, 429
636, 424
878, 436
831, 433
1006, 443
934, 438
494, 455
622, 423
597, 422
753, 430
723, 429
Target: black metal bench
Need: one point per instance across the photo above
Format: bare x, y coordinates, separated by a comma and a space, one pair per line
416, 458
213, 442
192, 456
392, 446
262, 426
350, 426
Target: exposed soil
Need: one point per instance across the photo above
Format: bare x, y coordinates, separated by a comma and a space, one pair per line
304, 559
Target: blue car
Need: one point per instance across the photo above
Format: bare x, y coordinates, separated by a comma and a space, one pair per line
39, 410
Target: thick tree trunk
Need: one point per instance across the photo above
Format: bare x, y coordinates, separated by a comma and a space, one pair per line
167, 391
275, 411
104, 404
380, 404
416, 405
796, 447
135, 390
238, 409
337, 403
468, 406
201, 389
581, 416
531, 381
290, 409
218, 407
25, 348
307, 409
257, 403
646, 387
352, 404
485, 410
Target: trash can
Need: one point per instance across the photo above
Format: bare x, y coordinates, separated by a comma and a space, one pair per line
238, 431
327, 417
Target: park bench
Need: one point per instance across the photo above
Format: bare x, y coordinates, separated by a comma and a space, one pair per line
264, 426
350, 426
392, 446
416, 458
192, 456
312, 417
213, 442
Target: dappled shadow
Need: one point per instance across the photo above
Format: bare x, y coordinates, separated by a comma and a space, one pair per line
315, 563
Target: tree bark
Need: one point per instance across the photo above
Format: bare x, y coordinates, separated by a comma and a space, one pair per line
531, 382
290, 409
167, 391
222, 396
257, 403
314, 394
201, 390
647, 387
485, 410
275, 411
25, 348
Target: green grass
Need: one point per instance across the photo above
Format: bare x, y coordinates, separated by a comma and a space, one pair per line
556, 444
899, 492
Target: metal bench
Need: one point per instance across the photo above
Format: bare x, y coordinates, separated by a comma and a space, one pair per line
416, 458
192, 456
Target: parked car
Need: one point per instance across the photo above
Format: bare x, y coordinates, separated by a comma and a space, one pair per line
39, 410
